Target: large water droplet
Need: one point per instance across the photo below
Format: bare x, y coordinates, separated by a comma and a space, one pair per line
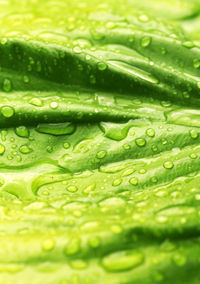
122, 261
22, 131
168, 165
7, 111
25, 149
56, 128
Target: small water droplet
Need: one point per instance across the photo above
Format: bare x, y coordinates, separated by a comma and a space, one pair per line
140, 142
101, 154
193, 133
193, 156
72, 188
78, 264
117, 182
196, 63
128, 172
53, 105
133, 181
146, 41
89, 188
154, 148
66, 145
102, 66
7, 111
77, 49
150, 132
36, 102
110, 25
48, 244
168, 165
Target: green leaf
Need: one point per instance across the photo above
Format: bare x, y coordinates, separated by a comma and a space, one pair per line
99, 142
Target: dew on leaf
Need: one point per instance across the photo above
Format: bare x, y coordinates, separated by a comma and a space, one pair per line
7, 111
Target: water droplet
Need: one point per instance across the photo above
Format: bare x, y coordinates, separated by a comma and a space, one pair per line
89, 188
133, 181
7, 111
154, 179
140, 142
36, 102
78, 264
117, 182
22, 131
56, 128
24, 149
49, 149
2, 149
193, 156
168, 165
128, 172
101, 66
146, 41
154, 148
150, 132
126, 146
7, 86
122, 261
66, 145
77, 49
48, 244
142, 171
188, 44
73, 246
196, 63
53, 105
193, 133
72, 188
101, 154
166, 103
